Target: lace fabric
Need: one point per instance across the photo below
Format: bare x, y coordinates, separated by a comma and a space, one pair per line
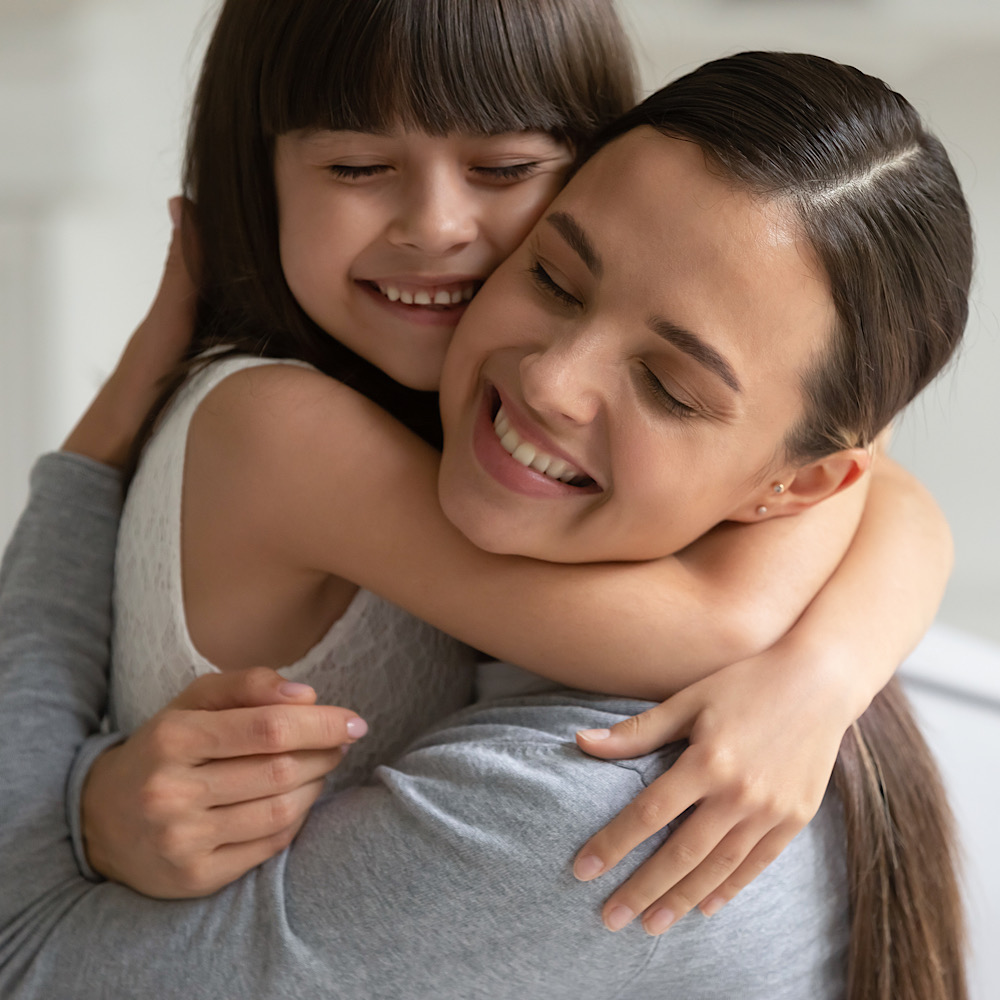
399, 673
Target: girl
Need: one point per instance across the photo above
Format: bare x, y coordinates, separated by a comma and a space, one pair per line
352, 197
737, 240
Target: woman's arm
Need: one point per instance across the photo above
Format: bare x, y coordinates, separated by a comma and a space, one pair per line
764, 733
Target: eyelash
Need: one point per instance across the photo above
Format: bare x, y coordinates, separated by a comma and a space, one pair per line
659, 392
356, 173
512, 172
545, 281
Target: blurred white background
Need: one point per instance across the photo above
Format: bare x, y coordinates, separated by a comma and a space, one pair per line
93, 97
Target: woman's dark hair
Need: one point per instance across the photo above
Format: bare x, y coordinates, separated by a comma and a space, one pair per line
480, 66
880, 205
878, 201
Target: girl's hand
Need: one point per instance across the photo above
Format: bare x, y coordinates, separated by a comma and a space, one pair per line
763, 738
107, 430
213, 785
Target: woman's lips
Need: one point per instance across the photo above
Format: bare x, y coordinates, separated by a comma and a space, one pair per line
521, 465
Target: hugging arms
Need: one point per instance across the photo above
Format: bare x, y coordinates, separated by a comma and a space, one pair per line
31, 573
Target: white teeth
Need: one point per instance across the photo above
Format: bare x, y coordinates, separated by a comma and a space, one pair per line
427, 296
528, 454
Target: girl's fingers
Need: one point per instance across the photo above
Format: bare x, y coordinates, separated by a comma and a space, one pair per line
760, 858
639, 734
719, 863
245, 779
648, 813
663, 876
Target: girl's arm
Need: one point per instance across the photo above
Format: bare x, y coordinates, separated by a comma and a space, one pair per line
326, 482
764, 733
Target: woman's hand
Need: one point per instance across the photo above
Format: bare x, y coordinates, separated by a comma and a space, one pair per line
108, 429
213, 785
763, 738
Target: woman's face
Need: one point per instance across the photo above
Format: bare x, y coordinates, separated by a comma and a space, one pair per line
625, 381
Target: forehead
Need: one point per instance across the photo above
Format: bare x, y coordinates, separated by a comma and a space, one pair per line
684, 243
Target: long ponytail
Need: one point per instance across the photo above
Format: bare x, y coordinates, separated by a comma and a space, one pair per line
907, 930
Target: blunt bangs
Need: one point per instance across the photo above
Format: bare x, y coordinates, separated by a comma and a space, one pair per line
442, 66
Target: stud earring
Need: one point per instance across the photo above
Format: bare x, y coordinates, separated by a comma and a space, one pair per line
778, 487
761, 510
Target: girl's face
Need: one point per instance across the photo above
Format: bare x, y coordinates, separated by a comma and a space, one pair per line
385, 238
626, 380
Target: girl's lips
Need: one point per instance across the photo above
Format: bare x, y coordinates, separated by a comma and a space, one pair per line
507, 470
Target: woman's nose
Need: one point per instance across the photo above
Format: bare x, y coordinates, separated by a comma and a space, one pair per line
438, 215
566, 381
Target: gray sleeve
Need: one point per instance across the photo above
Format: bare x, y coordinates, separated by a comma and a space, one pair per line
447, 877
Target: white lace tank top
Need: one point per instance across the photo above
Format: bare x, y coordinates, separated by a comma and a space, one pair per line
400, 674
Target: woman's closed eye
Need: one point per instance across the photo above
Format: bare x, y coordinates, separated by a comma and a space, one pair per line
656, 389
548, 284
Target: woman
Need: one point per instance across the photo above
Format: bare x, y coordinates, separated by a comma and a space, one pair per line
783, 261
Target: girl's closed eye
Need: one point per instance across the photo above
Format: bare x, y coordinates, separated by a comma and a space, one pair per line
348, 172
508, 171
548, 284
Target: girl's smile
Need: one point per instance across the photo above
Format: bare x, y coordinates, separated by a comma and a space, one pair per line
386, 237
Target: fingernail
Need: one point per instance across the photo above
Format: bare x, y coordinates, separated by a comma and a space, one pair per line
594, 734
357, 727
712, 906
292, 689
588, 867
618, 916
658, 921
174, 208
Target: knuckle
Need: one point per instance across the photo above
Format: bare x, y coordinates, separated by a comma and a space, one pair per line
158, 796
271, 730
282, 812
630, 727
684, 855
647, 812
281, 771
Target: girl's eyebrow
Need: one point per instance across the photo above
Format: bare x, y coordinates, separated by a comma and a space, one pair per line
573, 233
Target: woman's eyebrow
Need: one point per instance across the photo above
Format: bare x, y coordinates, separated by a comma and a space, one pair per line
696, 348
572, 232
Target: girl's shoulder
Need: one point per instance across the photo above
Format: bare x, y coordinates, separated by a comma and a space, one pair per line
256, 404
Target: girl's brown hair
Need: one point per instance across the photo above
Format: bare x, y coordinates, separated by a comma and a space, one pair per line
478, 66
881, 206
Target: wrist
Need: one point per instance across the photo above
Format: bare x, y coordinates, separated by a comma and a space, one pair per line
831, 673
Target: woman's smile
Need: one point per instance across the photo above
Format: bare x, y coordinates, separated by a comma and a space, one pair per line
623, 382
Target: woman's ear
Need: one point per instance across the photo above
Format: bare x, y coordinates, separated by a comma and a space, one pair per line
794, 489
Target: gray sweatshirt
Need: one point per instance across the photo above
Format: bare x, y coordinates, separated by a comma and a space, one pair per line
448, 876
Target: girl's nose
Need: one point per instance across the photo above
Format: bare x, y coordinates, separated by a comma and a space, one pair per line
438, 215
566, 380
